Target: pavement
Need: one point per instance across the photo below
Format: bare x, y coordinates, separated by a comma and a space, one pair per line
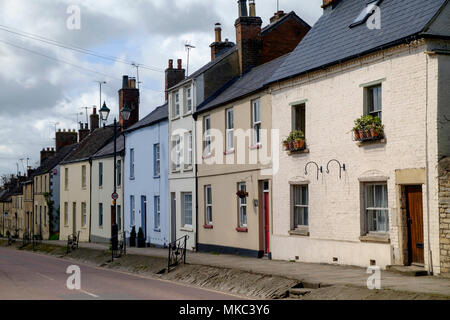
305, 272
31, 276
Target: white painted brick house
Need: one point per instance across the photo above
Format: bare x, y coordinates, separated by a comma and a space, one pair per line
383, 210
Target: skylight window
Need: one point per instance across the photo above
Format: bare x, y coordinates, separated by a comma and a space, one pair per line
366, 13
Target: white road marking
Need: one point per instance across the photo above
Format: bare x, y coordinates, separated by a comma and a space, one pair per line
90, 294
46, 277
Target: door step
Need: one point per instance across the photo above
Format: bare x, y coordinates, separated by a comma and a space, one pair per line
412, 271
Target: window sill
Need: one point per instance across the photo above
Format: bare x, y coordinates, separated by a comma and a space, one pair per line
242, 229
131, 178
176, 171
175, 118
156, 177
157, 230
302, 151
190, 168
256, 147
186, 229
187, 114
226, 153
207, 156
100, 187
381, 238
300, 232
208, 226
370, 142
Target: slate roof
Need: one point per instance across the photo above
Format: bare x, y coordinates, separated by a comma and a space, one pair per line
332, 41
159, 114
52, 162
246, 84
90, 145
206, 67
276, 23
108, 150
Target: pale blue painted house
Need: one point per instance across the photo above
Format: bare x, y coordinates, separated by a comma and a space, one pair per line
146, 198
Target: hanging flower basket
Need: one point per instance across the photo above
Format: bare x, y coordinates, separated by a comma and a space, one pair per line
242, 194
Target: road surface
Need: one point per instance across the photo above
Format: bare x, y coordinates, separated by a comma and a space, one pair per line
28, 276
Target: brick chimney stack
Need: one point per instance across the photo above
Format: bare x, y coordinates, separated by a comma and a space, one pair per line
174, 76
65, 138
327, 4
129, 96
219, 46
94, 119
248, 38
47, 154
277, 16
83, 132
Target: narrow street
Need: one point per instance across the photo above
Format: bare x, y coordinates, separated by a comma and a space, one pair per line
25, 275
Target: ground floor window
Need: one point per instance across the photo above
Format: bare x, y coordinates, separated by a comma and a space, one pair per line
186, 198
66, 214
376, 207
157, 215
242, 206
300, 206
84, 214
208, 205
100, 215
119, 217
132, 211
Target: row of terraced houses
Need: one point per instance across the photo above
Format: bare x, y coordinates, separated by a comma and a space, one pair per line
322, 144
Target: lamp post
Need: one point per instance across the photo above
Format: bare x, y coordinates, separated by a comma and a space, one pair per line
104, 113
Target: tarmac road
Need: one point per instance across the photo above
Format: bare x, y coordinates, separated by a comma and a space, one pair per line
29, 276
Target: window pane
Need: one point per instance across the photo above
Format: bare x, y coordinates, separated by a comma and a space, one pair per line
297, 195
371, 220
382, 220
369, 196
304, 195
379, 196
188, 209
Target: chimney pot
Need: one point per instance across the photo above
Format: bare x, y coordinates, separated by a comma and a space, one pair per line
252, 8
180, 62
243, 8
218, 32
327, 3
125, 82
171, 64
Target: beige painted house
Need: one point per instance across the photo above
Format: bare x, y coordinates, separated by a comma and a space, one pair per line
41, 190
236, 155
382, 207
103, 188
76, 185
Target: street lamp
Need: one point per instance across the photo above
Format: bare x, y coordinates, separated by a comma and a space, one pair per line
125, 113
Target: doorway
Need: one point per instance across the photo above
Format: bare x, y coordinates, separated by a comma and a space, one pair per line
173, 210
414, 210
144, 216
265, 206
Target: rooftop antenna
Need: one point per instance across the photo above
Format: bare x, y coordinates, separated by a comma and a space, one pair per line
100, 83
136, 65
188, 47
86, 109
21, 160
278, 5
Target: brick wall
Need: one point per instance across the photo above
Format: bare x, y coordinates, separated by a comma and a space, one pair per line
444, 213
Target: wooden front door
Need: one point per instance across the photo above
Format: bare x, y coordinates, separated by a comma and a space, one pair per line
415, 224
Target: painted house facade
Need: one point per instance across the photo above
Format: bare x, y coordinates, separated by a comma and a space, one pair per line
146, 174
103, 188
371, 201
76, 185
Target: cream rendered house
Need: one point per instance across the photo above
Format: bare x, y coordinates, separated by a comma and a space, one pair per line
374, 202
103, 188
76, 185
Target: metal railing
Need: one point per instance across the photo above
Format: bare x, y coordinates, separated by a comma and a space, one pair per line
119, 248
177, 252
72, 241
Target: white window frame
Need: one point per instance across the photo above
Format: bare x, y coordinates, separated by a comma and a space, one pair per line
256, 122
229, 119
132, 211
157, 157
370, 101
302, 205
207, 135
188, 100
208, 206
242, 203
83, 214
132, 155
189, 151
176, 104
157, 213
367, 209
183, 198
83, 177
119, 173
177, 146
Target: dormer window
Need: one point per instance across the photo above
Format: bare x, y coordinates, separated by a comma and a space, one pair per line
366, 13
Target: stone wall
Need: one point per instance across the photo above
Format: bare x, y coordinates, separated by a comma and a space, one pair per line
444, 213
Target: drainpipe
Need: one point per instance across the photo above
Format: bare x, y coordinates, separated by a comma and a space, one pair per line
430, 258
90, 201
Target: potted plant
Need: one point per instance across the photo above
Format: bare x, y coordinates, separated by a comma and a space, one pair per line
133, 237
299, 139
242, 194
367, 127
141, 239
376, 128
286, 144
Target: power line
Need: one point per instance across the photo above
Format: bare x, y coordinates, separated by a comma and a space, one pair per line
66, 62
74, 48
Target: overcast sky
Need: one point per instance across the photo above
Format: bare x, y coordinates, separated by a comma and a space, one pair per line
37, 91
